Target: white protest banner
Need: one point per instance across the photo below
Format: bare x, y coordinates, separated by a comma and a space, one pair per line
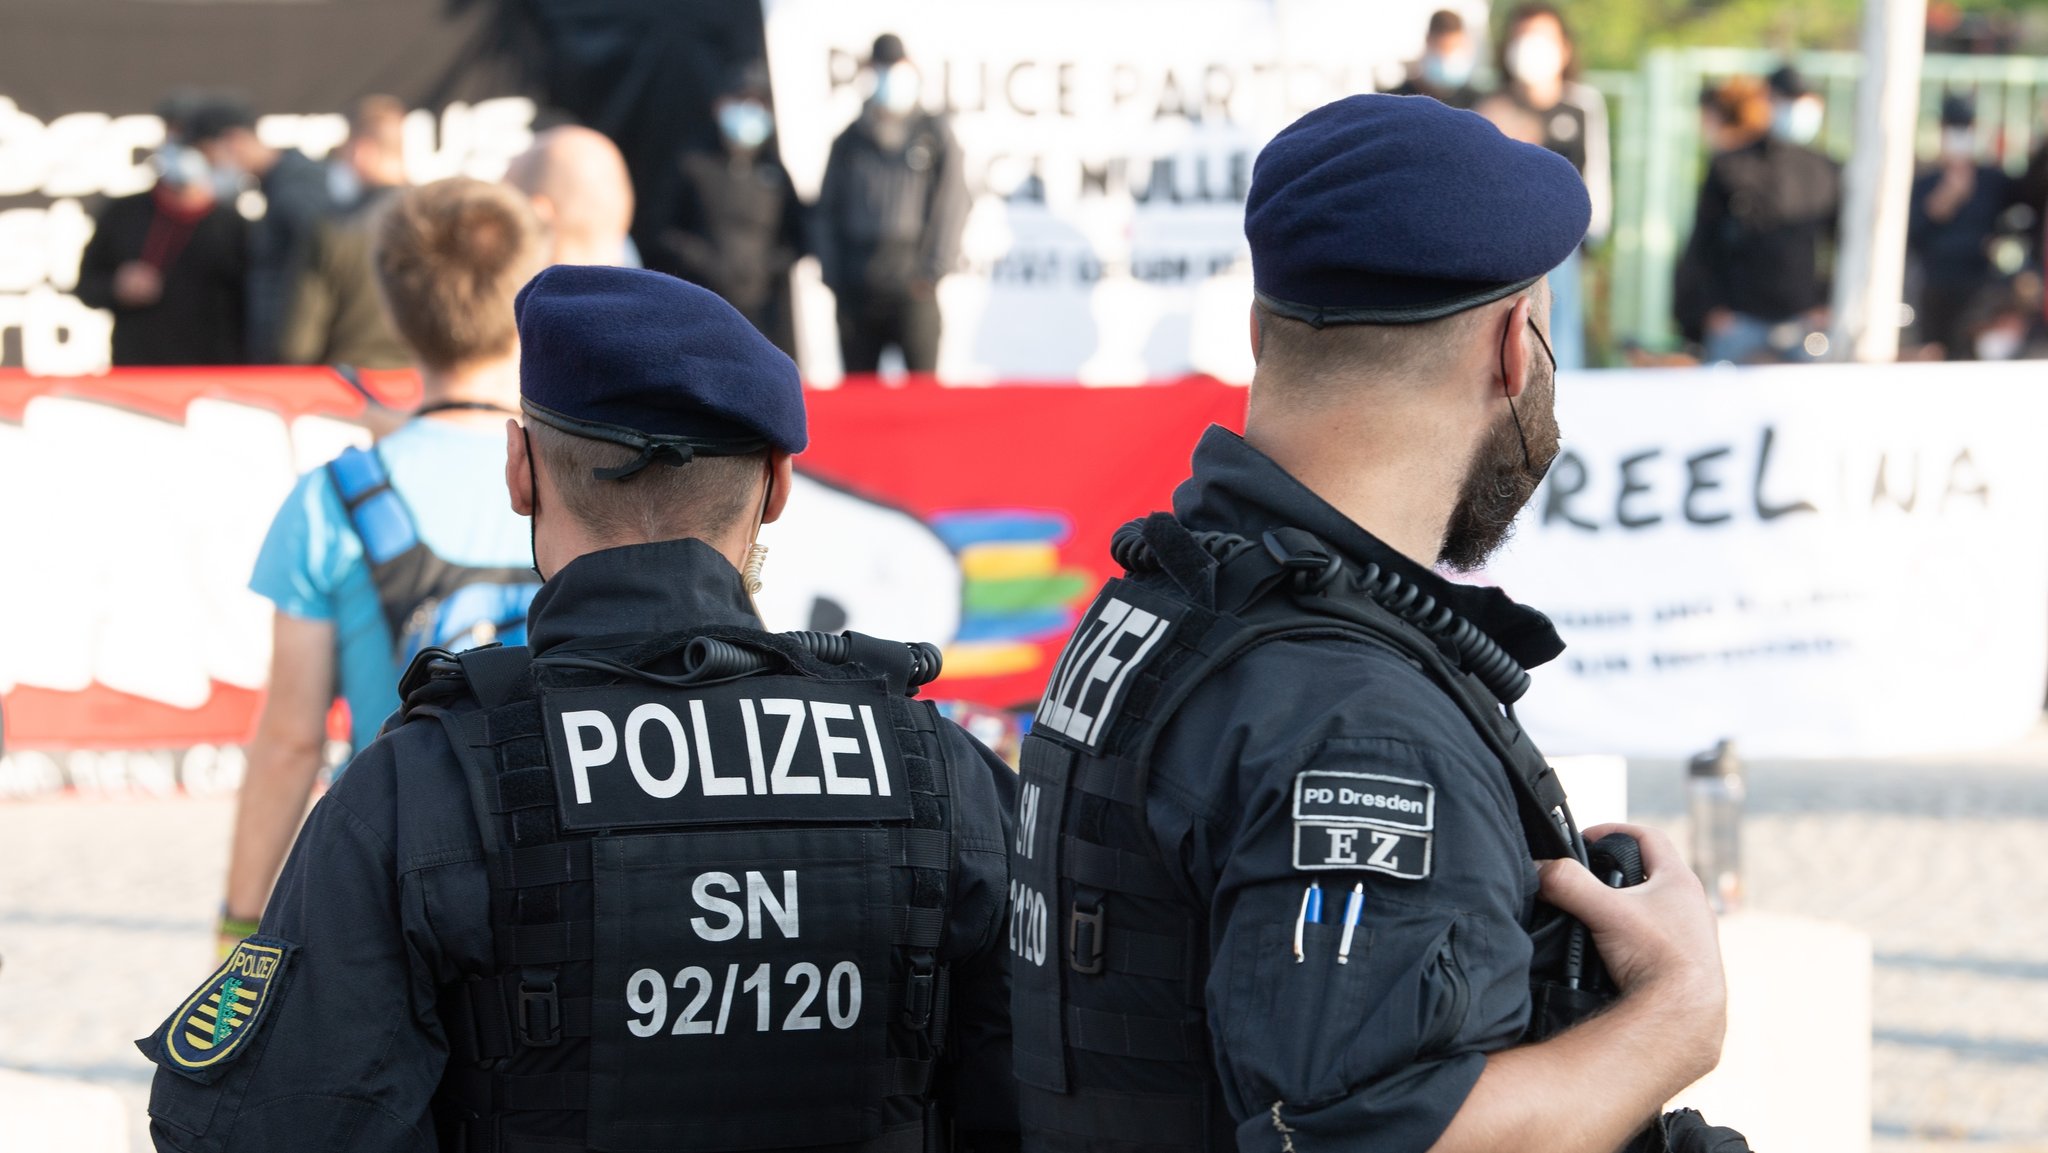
1108, 148
1840, 560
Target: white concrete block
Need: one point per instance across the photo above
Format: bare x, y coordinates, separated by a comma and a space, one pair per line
1597, 787
1795, 1072
50, 1115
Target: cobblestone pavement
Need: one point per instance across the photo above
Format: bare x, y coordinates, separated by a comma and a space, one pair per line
106, 909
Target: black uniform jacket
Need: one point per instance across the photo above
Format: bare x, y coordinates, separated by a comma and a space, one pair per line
1379, 1050
384, 900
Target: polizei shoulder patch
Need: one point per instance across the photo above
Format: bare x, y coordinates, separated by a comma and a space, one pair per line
213, 1027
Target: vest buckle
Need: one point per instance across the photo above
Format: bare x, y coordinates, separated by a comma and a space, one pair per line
538, 1023
921, 994
1312, 563
1084, 939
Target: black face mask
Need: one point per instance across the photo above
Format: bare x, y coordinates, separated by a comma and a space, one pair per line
1504, 473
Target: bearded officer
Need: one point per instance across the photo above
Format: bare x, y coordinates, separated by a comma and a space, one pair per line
1277, 850
664, 881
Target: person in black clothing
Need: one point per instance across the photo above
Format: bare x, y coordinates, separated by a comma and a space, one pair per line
1957, 206
1753, 282
295, 200
1279, 855
657, 879
335, 315
738, 227
889, 218
1445, 70
170, 265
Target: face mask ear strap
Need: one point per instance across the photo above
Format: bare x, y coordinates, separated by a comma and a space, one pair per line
1528, 462
532, 518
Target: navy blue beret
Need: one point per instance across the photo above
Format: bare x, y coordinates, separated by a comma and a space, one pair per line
1399, 209
654, 363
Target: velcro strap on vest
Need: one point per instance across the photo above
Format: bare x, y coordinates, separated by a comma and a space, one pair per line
1145, 954
480, 1008
916, 928
1172, 1122
922, 848
560, 863
523, 1143
906, 1077
1111, 780
1140, 1038
551, 944
555, 1092
1101, 867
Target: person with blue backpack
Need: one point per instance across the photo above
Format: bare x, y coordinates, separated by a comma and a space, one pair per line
405, 545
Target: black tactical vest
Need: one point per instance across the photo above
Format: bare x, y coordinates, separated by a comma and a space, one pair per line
1109, 957
716, 896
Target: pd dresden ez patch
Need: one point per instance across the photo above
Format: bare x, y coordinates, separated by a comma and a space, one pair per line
215, 1025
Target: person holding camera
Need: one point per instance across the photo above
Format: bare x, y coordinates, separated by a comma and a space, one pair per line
1287, 873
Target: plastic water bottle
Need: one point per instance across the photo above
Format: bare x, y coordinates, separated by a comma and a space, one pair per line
1714, 796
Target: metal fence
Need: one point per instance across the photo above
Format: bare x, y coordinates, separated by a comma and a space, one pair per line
1659, 159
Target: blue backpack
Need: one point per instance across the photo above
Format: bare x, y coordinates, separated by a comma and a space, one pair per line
427, 601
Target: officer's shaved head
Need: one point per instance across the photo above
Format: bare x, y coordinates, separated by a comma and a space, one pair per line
1299, 364
579, 187
705, 498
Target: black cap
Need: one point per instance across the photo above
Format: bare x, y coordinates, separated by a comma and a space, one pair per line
888, 50
1398, 210
652, 363
1958, 111
1786, 83
216, 115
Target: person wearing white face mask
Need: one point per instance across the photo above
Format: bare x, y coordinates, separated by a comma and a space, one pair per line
736, 226
170, 263
889, 218
1954, 220
1797, 111
1445, 70
1542, 102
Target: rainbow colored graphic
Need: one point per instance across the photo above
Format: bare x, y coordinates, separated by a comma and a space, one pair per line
1014, 594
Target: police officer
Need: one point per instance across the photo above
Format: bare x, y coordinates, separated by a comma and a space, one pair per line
1279, 845
661, 882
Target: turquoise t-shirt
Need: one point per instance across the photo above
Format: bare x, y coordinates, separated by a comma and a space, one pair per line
452, 478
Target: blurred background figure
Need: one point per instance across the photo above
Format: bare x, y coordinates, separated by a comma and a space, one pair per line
1797, 111
889, 217
1542, 102
171, 263
408, 544
335, 316
737, 226
1957, 206
576, 181
294, 200
1448, 60
2003, 322
1753, 283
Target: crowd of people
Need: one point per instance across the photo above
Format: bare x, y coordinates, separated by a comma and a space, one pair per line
244, 253
1540, 100
1754, 282
247, 254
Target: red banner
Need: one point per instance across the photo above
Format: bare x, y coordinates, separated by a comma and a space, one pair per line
1022, 485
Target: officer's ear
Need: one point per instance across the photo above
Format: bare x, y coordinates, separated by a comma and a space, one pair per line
518, 469
1516, 344
1256, 333
781, 478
